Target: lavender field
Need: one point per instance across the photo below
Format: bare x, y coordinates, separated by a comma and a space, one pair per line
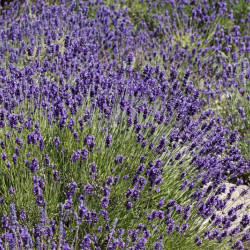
125, 124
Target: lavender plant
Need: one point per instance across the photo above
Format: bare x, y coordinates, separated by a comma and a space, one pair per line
112, 134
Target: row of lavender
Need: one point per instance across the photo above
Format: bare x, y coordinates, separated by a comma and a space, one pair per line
108, 136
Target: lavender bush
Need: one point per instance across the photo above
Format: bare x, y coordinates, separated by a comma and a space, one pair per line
121, 122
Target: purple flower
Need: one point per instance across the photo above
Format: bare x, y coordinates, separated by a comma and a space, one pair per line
141, 244
92, 170
11, 190
88, 188
57, 142
104, 202
75, 156
158, 245
108, 140
128, 205
161, 202
22, 215
86, 242
10, 239
55, 175
245, 221
68, 204
5, 221
14, 159
4, 156
245, 237
238, 245
105, 191
84, 154
33, 166
118, 159
104, 214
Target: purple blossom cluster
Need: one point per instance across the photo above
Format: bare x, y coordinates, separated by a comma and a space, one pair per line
109, 139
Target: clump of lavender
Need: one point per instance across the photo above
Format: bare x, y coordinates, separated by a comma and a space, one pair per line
110, 136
